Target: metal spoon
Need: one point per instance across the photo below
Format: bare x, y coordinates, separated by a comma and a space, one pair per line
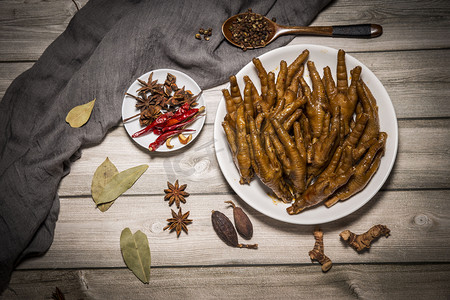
352, 31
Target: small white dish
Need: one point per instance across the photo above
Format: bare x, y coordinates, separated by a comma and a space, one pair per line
256, 194
129, 109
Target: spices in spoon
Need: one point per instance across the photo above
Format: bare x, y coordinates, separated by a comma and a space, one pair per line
250, 30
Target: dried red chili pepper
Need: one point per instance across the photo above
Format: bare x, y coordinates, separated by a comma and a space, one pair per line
181, 117
163, 137
160, 120
179, 125
185, 107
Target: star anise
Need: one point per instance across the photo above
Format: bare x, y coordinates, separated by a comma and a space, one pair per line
149, 85
170, 83
178, 222
149, 115
152, 97
175, 193
144, 102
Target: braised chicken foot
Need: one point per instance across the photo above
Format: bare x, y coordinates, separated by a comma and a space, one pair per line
333, 177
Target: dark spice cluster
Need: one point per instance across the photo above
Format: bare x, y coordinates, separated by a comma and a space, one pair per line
250, 30
153, 97
175, 194
206, 33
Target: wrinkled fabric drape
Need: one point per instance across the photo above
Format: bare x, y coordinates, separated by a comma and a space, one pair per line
106, 46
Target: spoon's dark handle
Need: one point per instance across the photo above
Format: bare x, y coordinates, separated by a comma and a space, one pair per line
358, 31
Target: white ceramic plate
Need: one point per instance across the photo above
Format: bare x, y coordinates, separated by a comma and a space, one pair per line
257, 194
129, 108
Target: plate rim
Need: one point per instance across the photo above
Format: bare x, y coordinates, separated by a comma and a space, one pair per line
289, 218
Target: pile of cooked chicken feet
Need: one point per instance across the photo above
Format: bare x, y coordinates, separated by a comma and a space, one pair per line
309, 145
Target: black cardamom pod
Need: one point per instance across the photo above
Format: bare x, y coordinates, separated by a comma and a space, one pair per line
226, 231
242, 222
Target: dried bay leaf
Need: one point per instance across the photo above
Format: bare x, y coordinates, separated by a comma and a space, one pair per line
104, 173
120, 183
136, 253
79, 115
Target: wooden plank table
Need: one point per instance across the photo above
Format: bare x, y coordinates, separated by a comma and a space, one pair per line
412, 60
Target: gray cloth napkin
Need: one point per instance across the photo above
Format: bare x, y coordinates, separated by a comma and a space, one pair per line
106, 46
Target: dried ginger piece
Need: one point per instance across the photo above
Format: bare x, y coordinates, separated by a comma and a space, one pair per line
360, 242
317, 253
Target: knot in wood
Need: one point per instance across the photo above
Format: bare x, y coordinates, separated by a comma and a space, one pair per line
157, 227
422, 220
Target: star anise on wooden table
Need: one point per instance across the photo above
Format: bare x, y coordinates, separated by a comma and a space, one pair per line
178, 222
175, 193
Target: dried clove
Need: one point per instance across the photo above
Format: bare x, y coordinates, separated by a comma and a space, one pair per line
242, 222
226, 231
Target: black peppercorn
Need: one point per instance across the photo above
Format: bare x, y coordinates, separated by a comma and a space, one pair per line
205, 33
250, 30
